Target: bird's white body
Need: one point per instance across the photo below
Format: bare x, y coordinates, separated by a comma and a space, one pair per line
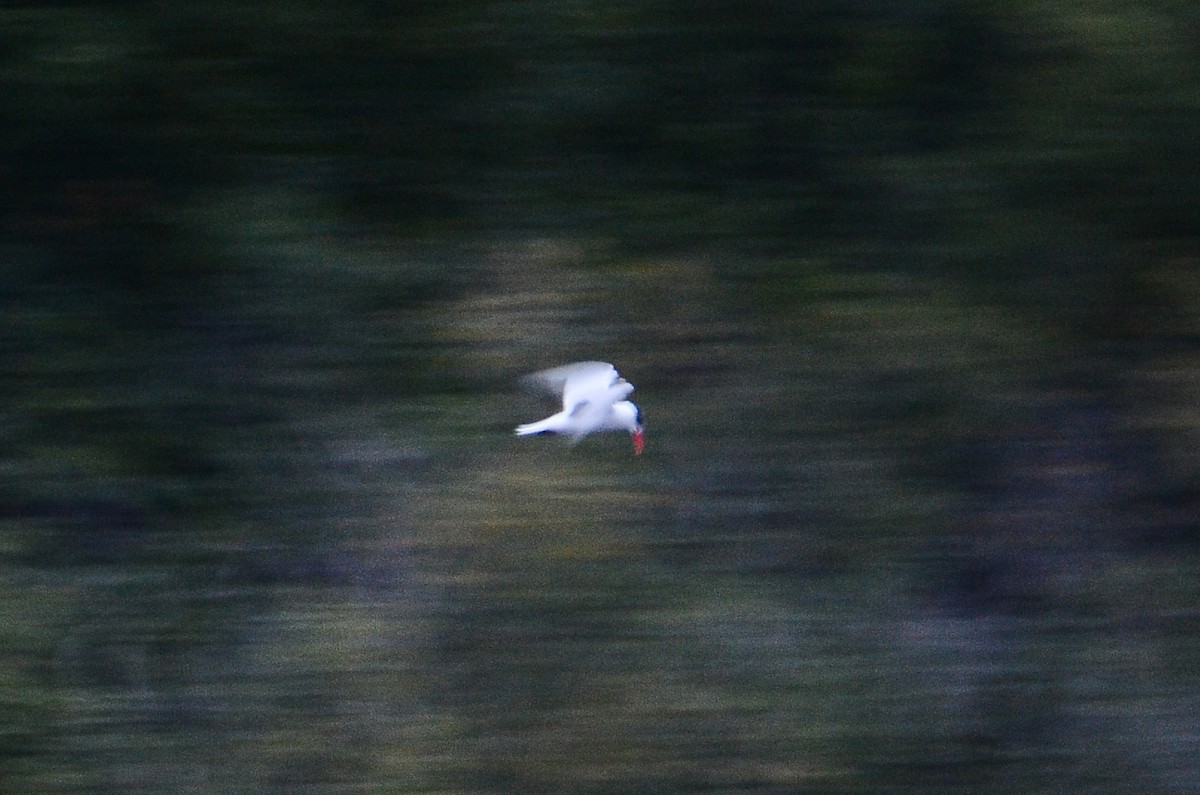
593, 396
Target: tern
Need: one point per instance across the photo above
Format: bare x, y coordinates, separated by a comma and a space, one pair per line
593, 397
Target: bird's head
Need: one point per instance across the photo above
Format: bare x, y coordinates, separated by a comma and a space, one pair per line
638, 432
629, 417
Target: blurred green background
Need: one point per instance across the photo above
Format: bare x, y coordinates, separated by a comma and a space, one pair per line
910, 294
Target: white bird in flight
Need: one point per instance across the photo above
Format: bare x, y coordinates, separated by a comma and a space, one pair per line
593, 398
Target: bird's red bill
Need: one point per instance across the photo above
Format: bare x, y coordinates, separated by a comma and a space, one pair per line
639, 441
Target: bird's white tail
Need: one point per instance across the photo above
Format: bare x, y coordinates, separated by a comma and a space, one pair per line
535, 427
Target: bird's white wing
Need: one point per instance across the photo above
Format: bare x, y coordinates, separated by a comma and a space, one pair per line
594, 387
578, 382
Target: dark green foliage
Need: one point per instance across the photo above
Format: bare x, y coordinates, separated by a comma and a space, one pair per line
909, 292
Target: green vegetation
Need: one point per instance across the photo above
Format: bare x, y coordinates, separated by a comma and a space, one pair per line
909, 293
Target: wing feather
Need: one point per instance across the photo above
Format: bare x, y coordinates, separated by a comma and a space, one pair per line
580, 382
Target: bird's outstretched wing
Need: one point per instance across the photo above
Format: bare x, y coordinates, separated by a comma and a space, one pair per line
595, 384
